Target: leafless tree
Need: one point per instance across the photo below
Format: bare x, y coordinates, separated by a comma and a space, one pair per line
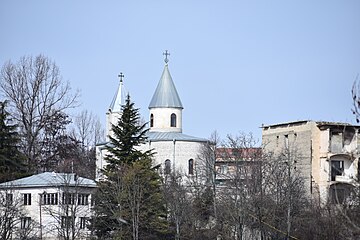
12, 216
356, 99
87, 128
206, 166
70, 217
239, 155
177, 202
36, 94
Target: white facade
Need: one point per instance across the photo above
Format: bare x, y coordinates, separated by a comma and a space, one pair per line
48, 203
162, 118
183, 155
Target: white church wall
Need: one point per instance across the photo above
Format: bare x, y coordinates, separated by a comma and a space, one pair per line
178, 152
162, 117
112, 118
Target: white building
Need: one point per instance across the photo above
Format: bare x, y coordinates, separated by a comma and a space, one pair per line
48, 205
173, 149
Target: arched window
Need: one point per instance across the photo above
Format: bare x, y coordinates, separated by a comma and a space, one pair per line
173, 120
151, 120
167, 168
191, 166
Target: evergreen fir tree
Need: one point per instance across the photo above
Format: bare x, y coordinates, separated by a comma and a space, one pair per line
11, 160
128, 134
129, 201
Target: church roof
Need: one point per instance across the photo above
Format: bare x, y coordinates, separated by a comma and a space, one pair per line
119, 98
170, 136
163, 136
50, 179
165, 95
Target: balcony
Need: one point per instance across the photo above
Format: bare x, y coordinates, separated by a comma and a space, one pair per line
343, 142
342, 170
344, 179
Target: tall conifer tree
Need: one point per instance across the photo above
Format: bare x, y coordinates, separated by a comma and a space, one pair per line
129, 201
11, 160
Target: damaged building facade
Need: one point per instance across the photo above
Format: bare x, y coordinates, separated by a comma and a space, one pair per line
325, 154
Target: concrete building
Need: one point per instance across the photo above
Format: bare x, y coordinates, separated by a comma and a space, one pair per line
48, 205
173, 149
325, 153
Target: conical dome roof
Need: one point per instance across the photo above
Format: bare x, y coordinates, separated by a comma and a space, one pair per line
119, 99
165, 95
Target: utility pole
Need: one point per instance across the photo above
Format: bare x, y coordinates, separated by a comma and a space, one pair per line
289, 195
40, 216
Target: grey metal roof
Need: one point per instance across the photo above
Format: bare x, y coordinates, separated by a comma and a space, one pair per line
170, 136
50, 179
119, 99
165, 94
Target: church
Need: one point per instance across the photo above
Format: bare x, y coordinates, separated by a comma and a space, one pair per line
174, 150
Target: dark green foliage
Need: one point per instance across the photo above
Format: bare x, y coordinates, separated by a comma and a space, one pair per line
11, 160
128, 134
129, 201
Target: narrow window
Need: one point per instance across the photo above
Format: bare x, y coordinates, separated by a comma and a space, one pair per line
167, 166
173, 120
27, 198
49, 199
9, 198
68, 198
83, 199
82, 222
286, 141
151, 120
337, 169
25, 222
66, 222
191, 166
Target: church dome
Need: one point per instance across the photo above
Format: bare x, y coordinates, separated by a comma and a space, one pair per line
165, 95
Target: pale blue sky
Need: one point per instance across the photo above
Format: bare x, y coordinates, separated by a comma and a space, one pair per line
236, 64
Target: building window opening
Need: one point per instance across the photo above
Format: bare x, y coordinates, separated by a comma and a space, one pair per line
286, 141
9, 198
25, 222
173, 120
49, 199
336, 142
191, 166
167, 169
27, 198
83, 199
67, 222
337, 169
82, 222
151, 120
68, 198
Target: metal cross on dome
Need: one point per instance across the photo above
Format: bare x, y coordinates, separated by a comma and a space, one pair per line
166, 54
121, 76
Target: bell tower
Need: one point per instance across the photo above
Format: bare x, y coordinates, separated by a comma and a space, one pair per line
165, 106
114, 112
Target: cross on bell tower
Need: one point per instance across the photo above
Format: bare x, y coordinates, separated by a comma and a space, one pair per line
166, 54
121, 76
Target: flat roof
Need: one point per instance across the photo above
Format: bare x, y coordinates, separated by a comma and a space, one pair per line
301, 122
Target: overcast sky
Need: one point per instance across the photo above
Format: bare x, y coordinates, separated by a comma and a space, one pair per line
236, 64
